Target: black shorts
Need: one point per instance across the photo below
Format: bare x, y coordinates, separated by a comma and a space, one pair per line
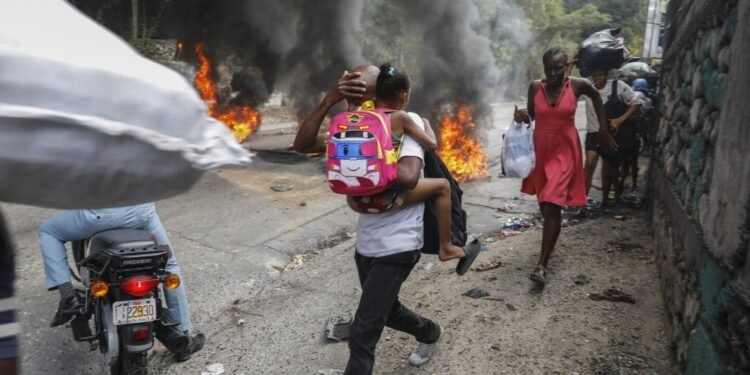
592, 142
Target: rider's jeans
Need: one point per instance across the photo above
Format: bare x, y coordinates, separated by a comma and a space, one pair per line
81, 224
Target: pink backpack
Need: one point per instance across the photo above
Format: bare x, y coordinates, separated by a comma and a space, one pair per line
361, 159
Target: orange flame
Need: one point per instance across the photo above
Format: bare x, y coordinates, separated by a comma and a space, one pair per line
461, 152
241, 120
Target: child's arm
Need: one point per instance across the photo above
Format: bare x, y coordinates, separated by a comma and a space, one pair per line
423, 137
429, 131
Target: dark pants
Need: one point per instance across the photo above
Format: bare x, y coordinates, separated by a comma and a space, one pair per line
379, 307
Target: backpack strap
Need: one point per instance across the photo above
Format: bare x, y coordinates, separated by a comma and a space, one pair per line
613, 95
400, 144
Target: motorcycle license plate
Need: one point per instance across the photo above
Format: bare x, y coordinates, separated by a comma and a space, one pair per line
134, 311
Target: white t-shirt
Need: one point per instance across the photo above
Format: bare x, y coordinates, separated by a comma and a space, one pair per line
624, 92
399, 230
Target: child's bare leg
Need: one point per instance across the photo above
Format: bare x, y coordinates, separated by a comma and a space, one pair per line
440, 190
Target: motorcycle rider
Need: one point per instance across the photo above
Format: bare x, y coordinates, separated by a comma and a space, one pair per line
81, 224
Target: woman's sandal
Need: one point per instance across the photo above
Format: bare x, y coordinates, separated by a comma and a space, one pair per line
471, 251
539, 275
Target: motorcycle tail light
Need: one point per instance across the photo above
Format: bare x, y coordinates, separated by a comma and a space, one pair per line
139, 286
139, 333
99, 288
172, 281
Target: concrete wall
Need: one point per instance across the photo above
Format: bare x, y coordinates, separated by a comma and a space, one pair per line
700, 180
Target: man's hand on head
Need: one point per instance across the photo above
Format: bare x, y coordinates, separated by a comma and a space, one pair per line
349, 87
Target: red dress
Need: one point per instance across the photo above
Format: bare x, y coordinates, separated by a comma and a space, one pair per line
558, 175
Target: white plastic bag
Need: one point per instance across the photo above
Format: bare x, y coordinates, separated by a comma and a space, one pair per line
518, 151
85, 121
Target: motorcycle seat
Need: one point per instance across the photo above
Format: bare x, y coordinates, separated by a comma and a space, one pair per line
121, 239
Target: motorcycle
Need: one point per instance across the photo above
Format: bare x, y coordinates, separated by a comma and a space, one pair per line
121, 271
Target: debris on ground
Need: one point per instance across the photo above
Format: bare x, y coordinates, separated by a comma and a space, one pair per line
214, 369
427, 266
489, 239
625, 246
330, 372
338, 327
241, 322
477, 293
581, 280
486, 266
510, 307
280, 188
619, 217
303, 204
516, 223
612, 294
297, 261
510, 232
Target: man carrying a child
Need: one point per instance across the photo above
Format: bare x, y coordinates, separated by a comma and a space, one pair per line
388, 244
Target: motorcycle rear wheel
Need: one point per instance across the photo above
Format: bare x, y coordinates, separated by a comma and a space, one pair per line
131, 364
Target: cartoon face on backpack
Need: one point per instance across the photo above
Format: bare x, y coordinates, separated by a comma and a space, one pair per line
353, 156
361, 159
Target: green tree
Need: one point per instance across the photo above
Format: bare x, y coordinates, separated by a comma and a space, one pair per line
521, 31
383, 37
630, 16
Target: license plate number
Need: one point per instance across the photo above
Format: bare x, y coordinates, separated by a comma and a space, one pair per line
134, 311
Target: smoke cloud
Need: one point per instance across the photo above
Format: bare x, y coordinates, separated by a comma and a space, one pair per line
457, 62
301, 47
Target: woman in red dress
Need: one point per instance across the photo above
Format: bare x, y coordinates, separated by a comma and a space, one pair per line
558, 178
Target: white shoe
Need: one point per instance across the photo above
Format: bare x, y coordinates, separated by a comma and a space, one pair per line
424, 351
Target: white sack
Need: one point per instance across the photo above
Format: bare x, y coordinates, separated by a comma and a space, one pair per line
85, 121
518, 155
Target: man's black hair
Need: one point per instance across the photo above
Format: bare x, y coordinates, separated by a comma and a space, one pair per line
390, 83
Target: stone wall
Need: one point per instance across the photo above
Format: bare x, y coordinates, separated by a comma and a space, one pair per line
700, 180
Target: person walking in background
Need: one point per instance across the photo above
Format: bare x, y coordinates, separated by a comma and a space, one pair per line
619, 107
558, 178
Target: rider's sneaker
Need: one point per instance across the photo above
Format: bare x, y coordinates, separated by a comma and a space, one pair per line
68, 307
195, 344
424, 351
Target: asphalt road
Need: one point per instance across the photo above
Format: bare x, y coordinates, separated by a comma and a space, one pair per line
232, 233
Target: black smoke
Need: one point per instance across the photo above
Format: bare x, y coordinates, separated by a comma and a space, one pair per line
457, 64
302, 47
